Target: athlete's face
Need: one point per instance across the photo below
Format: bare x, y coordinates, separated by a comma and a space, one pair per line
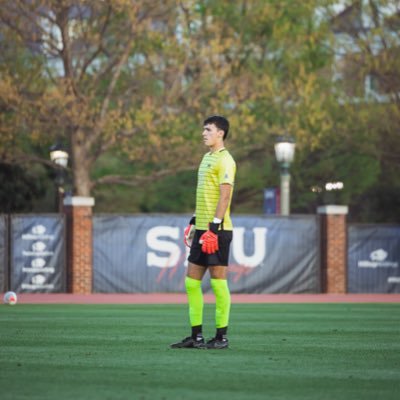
212, 136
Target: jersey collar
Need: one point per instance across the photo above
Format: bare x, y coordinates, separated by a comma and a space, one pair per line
217, 151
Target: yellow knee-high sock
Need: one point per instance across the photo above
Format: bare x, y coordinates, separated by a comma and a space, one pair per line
195, 300
222, 302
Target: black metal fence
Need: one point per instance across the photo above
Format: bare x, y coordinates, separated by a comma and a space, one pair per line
145, 253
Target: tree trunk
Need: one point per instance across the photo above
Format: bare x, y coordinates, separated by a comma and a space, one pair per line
80, 166
82, 183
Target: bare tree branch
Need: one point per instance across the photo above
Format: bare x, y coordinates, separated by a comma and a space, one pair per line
140, 179
99, 48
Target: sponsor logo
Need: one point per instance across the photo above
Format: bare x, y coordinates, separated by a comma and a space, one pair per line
38, 247
37, 282
38, 250
379, 255
38, 279
378, 260
394, 279
38, 232
38, 263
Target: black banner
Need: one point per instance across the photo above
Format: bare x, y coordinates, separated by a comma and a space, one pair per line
374, 259
37, 253
3, 254
147, 254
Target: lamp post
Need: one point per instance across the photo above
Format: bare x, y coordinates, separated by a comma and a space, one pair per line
284, 152
59, 156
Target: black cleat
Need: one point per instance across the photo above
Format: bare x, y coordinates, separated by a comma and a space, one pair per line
189, 343
217, 344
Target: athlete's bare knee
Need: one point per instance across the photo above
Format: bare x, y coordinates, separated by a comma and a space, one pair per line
196, 271
218, 272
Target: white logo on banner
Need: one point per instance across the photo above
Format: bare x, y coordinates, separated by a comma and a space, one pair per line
378, 255
38, 263
38, 279
38, 282
38, 233
377, 260
38, 247
258, 256
38, 230
155, 242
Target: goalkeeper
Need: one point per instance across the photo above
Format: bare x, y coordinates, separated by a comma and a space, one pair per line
209, 235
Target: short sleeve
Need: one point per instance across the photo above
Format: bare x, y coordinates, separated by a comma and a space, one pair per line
226, 171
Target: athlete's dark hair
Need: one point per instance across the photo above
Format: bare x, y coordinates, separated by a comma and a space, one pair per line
220, 122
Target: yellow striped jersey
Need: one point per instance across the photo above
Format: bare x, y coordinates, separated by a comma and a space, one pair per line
215, 169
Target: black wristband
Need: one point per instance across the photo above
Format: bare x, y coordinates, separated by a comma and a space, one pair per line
213, 227
192, 221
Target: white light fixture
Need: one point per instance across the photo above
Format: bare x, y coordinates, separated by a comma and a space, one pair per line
59, 156
284, 149
334, 186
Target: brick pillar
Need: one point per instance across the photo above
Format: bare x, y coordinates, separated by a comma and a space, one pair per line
78, 211
333, 248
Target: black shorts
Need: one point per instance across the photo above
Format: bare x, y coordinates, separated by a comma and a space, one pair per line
221, 257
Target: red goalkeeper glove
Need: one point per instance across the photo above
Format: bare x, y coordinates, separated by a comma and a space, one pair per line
209, 239
189, 232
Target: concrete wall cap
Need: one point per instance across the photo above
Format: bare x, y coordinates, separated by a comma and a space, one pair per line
333, 210
77, 201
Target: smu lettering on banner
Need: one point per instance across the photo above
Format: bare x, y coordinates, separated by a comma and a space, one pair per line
147, 254
164, 251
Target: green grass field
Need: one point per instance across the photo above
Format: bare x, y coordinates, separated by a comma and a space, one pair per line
278, 351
